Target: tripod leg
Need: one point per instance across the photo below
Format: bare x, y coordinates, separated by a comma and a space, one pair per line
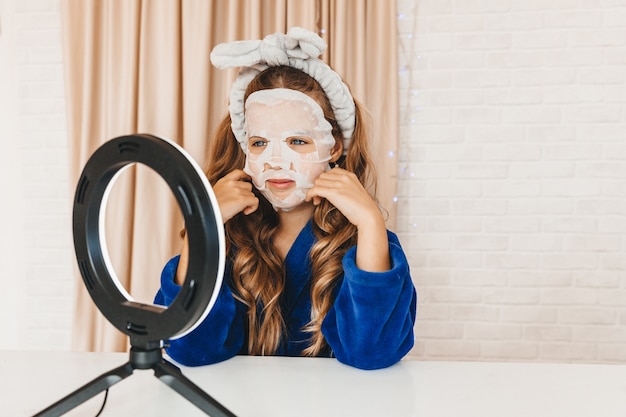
87, 391
172, 376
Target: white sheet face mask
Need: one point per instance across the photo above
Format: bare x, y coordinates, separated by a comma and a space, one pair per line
289, 144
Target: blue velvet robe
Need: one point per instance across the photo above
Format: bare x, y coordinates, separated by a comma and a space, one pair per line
370, 325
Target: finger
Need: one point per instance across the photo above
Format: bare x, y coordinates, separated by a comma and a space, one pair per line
227, 187
237, 175
242, 186
310, 194
329, 184
314, 195
239, 204
252, 207
336, 177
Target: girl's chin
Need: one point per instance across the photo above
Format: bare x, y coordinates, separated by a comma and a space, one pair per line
286, 201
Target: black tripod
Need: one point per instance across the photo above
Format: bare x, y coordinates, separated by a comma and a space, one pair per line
150, 358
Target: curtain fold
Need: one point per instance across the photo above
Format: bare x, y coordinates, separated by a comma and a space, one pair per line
362, 47
143, 67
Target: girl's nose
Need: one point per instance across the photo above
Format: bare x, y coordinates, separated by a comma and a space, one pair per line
270, 165
276, 150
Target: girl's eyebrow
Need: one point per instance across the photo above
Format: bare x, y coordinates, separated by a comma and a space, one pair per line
299, 132
287, 134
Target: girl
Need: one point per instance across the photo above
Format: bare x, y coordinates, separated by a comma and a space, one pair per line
311, 269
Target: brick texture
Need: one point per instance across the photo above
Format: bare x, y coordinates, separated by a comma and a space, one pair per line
512, 196
42, 242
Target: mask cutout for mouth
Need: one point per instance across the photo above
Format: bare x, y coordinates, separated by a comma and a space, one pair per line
289, 144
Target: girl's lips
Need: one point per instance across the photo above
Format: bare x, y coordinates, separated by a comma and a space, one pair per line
280, 183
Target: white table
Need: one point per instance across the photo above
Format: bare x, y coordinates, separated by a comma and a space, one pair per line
275, 386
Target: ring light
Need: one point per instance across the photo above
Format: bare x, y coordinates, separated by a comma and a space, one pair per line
149, 323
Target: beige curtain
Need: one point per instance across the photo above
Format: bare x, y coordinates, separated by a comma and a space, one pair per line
137, 66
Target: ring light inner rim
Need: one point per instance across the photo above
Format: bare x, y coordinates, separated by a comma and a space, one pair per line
102, 235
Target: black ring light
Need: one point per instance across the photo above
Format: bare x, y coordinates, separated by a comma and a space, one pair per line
149, 323
149, 326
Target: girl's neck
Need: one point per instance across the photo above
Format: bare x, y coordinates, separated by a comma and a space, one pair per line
290, 223
295, 218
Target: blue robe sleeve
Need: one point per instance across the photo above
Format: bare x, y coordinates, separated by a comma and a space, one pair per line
219, 337
370, 324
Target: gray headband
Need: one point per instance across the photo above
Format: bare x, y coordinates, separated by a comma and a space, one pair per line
299, 49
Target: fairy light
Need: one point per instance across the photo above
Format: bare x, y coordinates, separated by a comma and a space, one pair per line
407, 18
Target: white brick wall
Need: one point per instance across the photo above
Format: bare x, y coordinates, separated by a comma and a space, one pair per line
40, 239
10, 209
512, 202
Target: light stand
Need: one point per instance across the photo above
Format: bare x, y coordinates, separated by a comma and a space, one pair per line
148, 326
167, 372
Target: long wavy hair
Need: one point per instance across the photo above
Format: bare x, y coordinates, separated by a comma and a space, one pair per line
258, 277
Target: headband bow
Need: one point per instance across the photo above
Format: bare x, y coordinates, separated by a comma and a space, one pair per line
273, 50
299, 49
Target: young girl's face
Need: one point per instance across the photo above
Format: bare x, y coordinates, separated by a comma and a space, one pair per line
289, 144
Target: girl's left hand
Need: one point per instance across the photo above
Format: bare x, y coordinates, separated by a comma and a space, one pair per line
344, 190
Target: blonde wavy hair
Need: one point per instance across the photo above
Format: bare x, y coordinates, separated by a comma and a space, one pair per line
258, 276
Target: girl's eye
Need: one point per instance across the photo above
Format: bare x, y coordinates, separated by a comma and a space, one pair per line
301, 145
257, 145
298, 141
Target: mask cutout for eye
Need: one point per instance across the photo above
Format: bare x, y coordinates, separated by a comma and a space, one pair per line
289, 144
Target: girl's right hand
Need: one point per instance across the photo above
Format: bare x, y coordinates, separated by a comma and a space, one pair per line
234, 194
